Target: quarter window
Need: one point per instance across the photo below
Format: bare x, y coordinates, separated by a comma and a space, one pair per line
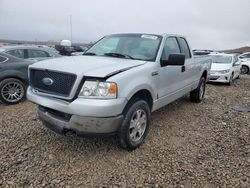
171, 47
185, 48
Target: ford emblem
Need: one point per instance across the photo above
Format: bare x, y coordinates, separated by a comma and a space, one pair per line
47, 81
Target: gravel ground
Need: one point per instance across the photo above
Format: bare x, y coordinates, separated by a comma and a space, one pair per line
189, 145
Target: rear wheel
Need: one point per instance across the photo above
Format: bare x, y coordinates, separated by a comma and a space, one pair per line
197, 95
135, 125
12, 91
244, 69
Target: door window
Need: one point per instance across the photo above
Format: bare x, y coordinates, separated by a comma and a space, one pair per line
17, 53
235, 59
37, 53
171, 47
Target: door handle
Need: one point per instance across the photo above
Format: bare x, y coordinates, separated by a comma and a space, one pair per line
183, 68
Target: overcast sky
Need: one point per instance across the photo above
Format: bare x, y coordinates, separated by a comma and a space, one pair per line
220, 24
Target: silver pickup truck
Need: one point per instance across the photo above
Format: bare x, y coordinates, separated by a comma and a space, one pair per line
116, 84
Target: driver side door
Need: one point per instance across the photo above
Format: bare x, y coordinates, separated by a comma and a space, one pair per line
172, 78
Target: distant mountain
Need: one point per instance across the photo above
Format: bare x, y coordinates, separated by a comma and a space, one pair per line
238, 50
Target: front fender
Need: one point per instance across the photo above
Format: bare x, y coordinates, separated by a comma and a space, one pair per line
127, 88
136, 79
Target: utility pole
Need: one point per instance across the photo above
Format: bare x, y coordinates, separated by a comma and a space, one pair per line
71, 28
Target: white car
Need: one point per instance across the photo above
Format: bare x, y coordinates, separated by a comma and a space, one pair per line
245, 56
245, 69
225, 68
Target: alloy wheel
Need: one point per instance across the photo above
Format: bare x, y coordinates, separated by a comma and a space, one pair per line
137, 125
12, 92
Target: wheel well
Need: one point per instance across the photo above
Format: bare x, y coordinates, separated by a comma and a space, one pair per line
144, 95
248, 67
18, 78
204, 74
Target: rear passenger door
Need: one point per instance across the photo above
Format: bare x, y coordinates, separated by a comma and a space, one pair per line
38, 54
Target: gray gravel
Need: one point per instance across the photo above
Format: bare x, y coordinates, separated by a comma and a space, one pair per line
189, 145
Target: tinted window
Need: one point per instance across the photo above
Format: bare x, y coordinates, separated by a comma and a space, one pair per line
185, 48
2, 59
37, 53
17, 53
171, 47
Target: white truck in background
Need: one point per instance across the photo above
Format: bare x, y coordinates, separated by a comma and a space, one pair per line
116, 84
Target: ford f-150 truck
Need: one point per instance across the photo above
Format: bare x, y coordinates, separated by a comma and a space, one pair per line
116, 84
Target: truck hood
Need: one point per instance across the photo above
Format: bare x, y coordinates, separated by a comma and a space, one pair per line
220, 66
94, 66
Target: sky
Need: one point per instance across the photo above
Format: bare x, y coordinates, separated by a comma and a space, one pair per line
221, 24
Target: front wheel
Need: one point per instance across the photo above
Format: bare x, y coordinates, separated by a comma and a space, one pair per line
197, 95
135, 125
12, 91
231, 79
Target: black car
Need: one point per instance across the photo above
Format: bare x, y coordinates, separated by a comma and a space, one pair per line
69, 50
13, 78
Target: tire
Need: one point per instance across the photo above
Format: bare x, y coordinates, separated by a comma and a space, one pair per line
231, 79
197, 95
12, 91
135, 125
244, 69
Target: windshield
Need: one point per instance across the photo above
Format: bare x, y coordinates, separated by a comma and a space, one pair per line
222, 59
132, 46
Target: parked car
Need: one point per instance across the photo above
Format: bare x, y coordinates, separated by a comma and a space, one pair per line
70, 50
245, 56
13, 78
30, 52
116, 85
245, 69
225, 68
202, 52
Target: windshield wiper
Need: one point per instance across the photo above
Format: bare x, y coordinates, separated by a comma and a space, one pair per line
119, 55
89, 53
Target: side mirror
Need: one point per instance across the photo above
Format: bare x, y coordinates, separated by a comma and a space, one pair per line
174, 60
236, 64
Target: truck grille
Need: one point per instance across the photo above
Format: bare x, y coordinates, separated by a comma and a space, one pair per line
52, 82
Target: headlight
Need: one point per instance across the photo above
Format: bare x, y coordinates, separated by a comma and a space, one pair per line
98, 90
224, 71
